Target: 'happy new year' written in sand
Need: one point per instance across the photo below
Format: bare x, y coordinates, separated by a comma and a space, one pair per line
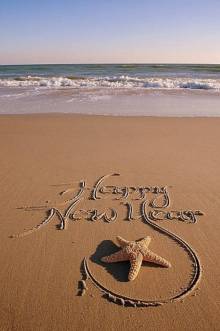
154, 199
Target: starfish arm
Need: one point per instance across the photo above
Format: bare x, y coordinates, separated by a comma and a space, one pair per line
152, 257
135, 266
115, 257
145, 241
122, 242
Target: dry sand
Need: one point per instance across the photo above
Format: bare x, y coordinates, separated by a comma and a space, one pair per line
43, 155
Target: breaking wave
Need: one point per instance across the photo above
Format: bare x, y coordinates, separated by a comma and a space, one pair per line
118, 82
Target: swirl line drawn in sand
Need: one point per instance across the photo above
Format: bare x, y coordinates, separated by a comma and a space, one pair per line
128, 301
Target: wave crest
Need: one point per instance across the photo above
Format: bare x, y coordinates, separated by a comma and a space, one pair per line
126, 82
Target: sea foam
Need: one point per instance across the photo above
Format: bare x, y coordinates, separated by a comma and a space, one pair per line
114, 82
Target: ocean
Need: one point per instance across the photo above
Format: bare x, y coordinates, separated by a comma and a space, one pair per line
129, 89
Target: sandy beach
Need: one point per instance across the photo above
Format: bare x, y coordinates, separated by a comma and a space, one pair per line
171, 164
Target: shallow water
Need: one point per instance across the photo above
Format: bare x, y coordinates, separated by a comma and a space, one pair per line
151, 103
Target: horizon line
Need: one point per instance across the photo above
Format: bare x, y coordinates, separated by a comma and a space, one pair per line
112, 63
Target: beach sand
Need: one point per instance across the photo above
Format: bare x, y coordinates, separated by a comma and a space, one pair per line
44, 155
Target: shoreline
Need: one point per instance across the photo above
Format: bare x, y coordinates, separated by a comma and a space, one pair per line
111, 103
78, 115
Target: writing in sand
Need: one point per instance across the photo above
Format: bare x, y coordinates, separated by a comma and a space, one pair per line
154, 199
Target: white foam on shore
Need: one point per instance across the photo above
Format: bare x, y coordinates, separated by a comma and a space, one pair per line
126, 82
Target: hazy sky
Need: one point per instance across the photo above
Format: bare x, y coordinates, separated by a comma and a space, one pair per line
92, 31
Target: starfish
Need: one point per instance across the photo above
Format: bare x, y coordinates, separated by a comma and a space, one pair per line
135, 252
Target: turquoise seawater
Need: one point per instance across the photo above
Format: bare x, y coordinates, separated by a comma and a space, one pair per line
114, 76
92, 70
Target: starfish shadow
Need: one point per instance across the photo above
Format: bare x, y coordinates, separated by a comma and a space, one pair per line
118, 270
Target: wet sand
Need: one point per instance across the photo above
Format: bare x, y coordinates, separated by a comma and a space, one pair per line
43, 160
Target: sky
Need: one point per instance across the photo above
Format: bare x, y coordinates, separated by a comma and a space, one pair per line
109, 31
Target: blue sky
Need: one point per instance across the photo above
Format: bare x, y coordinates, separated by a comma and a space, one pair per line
109, 31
